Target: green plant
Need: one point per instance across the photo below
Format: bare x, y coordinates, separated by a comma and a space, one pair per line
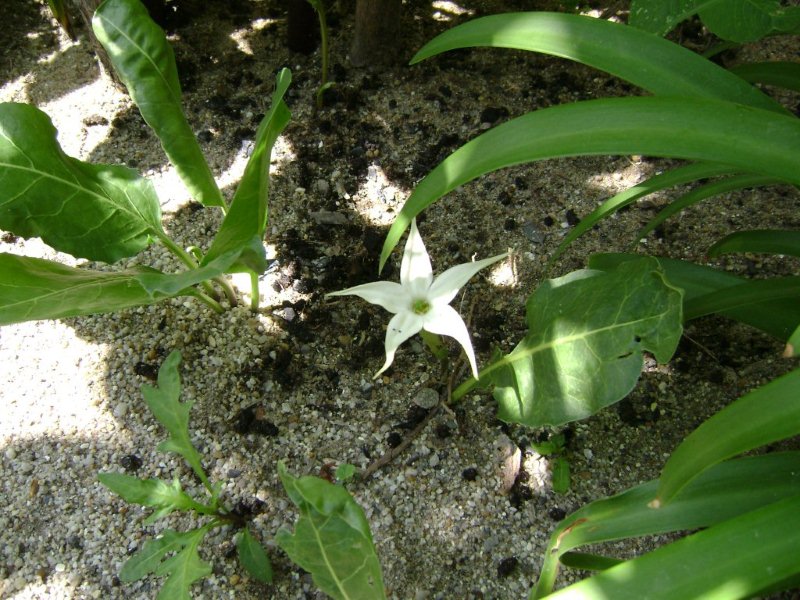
331, 540
588, 329
108, 212
324, 84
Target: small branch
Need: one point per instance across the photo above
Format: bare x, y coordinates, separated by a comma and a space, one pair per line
397, 451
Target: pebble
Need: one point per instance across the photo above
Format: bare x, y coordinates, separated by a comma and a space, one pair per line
426, 398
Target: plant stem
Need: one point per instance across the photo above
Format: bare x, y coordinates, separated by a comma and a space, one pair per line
323, 34
209, 301
463, 389
187, 259
254, 293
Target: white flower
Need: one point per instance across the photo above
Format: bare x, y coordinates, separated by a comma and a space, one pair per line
419, 301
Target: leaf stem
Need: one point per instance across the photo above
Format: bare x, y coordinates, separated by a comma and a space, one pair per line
254, 293
190, 261
209, 301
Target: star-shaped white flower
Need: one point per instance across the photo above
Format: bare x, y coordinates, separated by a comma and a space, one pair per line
419, 301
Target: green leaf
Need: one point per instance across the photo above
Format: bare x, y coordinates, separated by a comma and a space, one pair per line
777, 73
331, 540
153, 493
253, 557
661, 16
748, 139
583, 352
561, 477
33, 288
678, 176
775, 317
735, 559
643, 59
99, 212
145, 63
345, 472
748, 20
164, 402
245, 223
715, 188
765, 415
588, 562
184, 567
743, 296
768, 241
722, 492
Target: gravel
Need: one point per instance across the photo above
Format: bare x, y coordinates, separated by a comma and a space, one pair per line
293, 382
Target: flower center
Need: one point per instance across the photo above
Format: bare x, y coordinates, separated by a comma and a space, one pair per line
420, 307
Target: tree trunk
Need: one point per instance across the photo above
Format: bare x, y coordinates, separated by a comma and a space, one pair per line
376, 40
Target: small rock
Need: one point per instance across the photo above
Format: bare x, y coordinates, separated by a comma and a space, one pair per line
327, 217
427, 398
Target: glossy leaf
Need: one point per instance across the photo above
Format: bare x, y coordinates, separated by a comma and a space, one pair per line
246, 221
583, 351
153, 493
735, 20
744, 295
768, 241
183, 568
749, 20
34, 288
641, 58
253, 557
765, 415
715, 188
164, 402
751, 140
775, 317
99, 212
723, 492
678, 176
777, 73
331, 540
561, 477
759, 548
145, 63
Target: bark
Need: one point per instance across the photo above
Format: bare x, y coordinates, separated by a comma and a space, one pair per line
376, 39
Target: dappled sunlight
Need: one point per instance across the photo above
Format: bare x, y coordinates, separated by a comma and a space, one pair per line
240, 37
446, 11
378, 199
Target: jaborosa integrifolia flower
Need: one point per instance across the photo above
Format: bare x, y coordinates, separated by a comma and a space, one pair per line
420, 302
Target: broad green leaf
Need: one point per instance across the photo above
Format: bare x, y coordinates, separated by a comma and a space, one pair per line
164, 402
145, 63
722, 492
776, 317
777, 73
253, 557
588, 562
768, 241
153, 493
331, 540
748, 139
678, 176
245, 223
643, 59
749, 20
735, 20
99, 212
767, 414
183, 568
735, 559
715, 188
33, 288
743, 296
583, 351
661, 16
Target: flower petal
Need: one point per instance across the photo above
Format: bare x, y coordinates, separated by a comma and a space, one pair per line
446, 286
401, 327
416, 272
388, 294
444, 320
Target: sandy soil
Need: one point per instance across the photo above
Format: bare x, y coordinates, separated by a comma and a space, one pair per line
293, 381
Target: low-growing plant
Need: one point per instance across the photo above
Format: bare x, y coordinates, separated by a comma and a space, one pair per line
108, 212
331, 540
588, 329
